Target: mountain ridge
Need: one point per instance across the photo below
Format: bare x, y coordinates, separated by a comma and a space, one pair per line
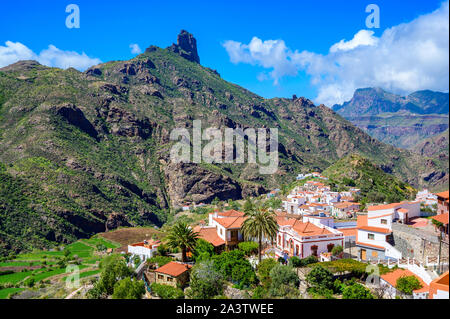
91, 149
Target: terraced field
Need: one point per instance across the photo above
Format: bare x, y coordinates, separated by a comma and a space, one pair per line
40, 269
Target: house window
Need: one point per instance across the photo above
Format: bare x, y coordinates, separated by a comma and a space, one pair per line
160, 277
371, 236
384, 221
170, 279
374, 254
221, 231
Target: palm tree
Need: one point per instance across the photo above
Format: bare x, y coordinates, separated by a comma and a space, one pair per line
259, 223
182, 236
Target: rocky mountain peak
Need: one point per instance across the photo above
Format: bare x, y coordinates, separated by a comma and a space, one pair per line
186, 46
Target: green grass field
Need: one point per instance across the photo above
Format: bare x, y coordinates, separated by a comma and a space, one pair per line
4, 293
85, 250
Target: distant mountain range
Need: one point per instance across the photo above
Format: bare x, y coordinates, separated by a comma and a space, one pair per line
375, 101
400, 121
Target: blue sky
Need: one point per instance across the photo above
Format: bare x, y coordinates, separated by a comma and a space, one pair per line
107, 28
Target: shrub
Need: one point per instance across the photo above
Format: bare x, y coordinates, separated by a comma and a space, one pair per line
203, 250
206, 281
284, 282
337, 250
249, 248
128, 289
29, 282
356, 291
264, 269
294, 261
407, 284
160, 260
166, 291
320, 278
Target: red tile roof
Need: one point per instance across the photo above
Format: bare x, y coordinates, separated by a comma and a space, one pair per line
392, 277
173, 269
444, 195
231, 213
375, 229
210, 235
442, 218
230, 222
348, 232
381, 207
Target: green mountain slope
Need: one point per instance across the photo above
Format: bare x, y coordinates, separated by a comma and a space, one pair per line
376, 186
91, 149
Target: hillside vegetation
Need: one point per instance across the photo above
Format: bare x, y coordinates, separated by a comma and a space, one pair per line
376, 186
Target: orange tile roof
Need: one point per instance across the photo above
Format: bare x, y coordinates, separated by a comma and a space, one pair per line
344, 204
444, 195
442, 218
392, 277
381, 207
173, 269
231, 213
210, 235
308, 229
375, 229
230, 222
348, 232
403, 210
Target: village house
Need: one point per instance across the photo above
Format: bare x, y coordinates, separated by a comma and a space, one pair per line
426, 197
442, 202
223, 230
303, 239
145, 250
374, 235
439, 287
173, 273
389, 281
344, 209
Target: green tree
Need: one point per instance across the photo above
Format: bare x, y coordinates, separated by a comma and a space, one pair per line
234, 267
128, 289
294, 261
407, 284
182, 236
356, 291
248, 247
203, 250
206, 281
160, 260
113, 268
264, 268
320, 277
259, 223
284, 282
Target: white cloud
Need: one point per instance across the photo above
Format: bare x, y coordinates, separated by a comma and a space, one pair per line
52, 56
405, 58
363, 37
135, 49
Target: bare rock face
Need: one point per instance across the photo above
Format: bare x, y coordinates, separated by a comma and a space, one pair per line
186, 47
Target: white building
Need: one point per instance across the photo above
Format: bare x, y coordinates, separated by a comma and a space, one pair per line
145, 250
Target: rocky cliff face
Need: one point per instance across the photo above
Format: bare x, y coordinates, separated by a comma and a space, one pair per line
85, 152
396, 120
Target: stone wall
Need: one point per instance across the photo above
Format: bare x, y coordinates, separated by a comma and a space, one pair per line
417, 244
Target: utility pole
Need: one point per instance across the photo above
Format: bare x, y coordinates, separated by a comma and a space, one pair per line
440, 248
